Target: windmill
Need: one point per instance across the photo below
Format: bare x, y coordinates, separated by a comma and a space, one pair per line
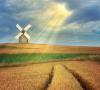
23, 36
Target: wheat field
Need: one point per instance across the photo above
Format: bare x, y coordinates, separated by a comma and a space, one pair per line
62, 75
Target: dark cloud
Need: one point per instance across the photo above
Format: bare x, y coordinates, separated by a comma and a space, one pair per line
86, 14
76, 4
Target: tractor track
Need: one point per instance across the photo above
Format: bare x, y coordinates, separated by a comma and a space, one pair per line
84, 84
50, 79
76, 76
52, 75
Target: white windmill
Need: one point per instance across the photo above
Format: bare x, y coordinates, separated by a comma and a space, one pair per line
23, 36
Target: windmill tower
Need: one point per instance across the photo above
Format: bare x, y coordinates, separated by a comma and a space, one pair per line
23, 36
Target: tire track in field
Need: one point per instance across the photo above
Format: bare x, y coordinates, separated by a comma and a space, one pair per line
63, 79
83, 83
50, 79
76, 76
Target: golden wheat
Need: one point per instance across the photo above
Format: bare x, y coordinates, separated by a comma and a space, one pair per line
25, 78
88, 72
63, 80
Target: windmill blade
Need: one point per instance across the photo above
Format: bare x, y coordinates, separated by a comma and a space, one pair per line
19, 27
18, 35
27, 27
27, 35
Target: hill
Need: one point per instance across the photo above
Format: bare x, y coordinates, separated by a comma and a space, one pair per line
44, 48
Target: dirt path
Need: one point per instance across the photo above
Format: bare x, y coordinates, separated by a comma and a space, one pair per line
67, 75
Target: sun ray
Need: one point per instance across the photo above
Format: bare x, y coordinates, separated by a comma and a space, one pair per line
50, 22
59, 12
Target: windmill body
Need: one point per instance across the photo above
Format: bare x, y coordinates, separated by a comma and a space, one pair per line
23, 36
23, 39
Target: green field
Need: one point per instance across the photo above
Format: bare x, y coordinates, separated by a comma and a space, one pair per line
13, 58
33, 57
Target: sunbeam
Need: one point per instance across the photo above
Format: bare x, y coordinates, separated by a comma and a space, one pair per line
51, 20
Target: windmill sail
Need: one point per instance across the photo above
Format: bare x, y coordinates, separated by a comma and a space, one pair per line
18, 35
19, 27
27, 35
27, 27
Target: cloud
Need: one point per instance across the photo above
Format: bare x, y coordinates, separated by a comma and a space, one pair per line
83, 10
23, 11
73, 4
19, 6
85, 14
77, 4
90, 28
55, 15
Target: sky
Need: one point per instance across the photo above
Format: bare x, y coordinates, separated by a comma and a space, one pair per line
58, 22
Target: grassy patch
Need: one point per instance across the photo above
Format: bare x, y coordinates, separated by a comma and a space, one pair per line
13, 58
